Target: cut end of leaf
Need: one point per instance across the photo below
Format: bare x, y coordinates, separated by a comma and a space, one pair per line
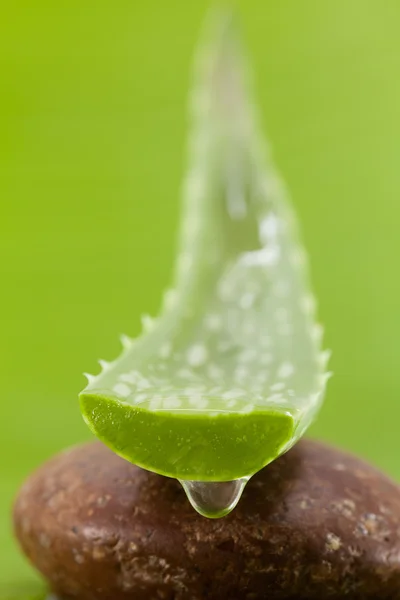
195, 445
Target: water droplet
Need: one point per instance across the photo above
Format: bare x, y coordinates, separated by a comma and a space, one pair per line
214, 499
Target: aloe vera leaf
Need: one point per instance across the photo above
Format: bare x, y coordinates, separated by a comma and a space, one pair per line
232, 372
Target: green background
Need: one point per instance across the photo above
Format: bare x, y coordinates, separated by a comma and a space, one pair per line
92, 138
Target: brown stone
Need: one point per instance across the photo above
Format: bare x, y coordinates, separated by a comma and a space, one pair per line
315, 524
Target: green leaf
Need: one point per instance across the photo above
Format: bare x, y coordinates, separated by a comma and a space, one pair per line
231, 373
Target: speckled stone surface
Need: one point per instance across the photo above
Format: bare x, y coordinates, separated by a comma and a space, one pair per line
315, 524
